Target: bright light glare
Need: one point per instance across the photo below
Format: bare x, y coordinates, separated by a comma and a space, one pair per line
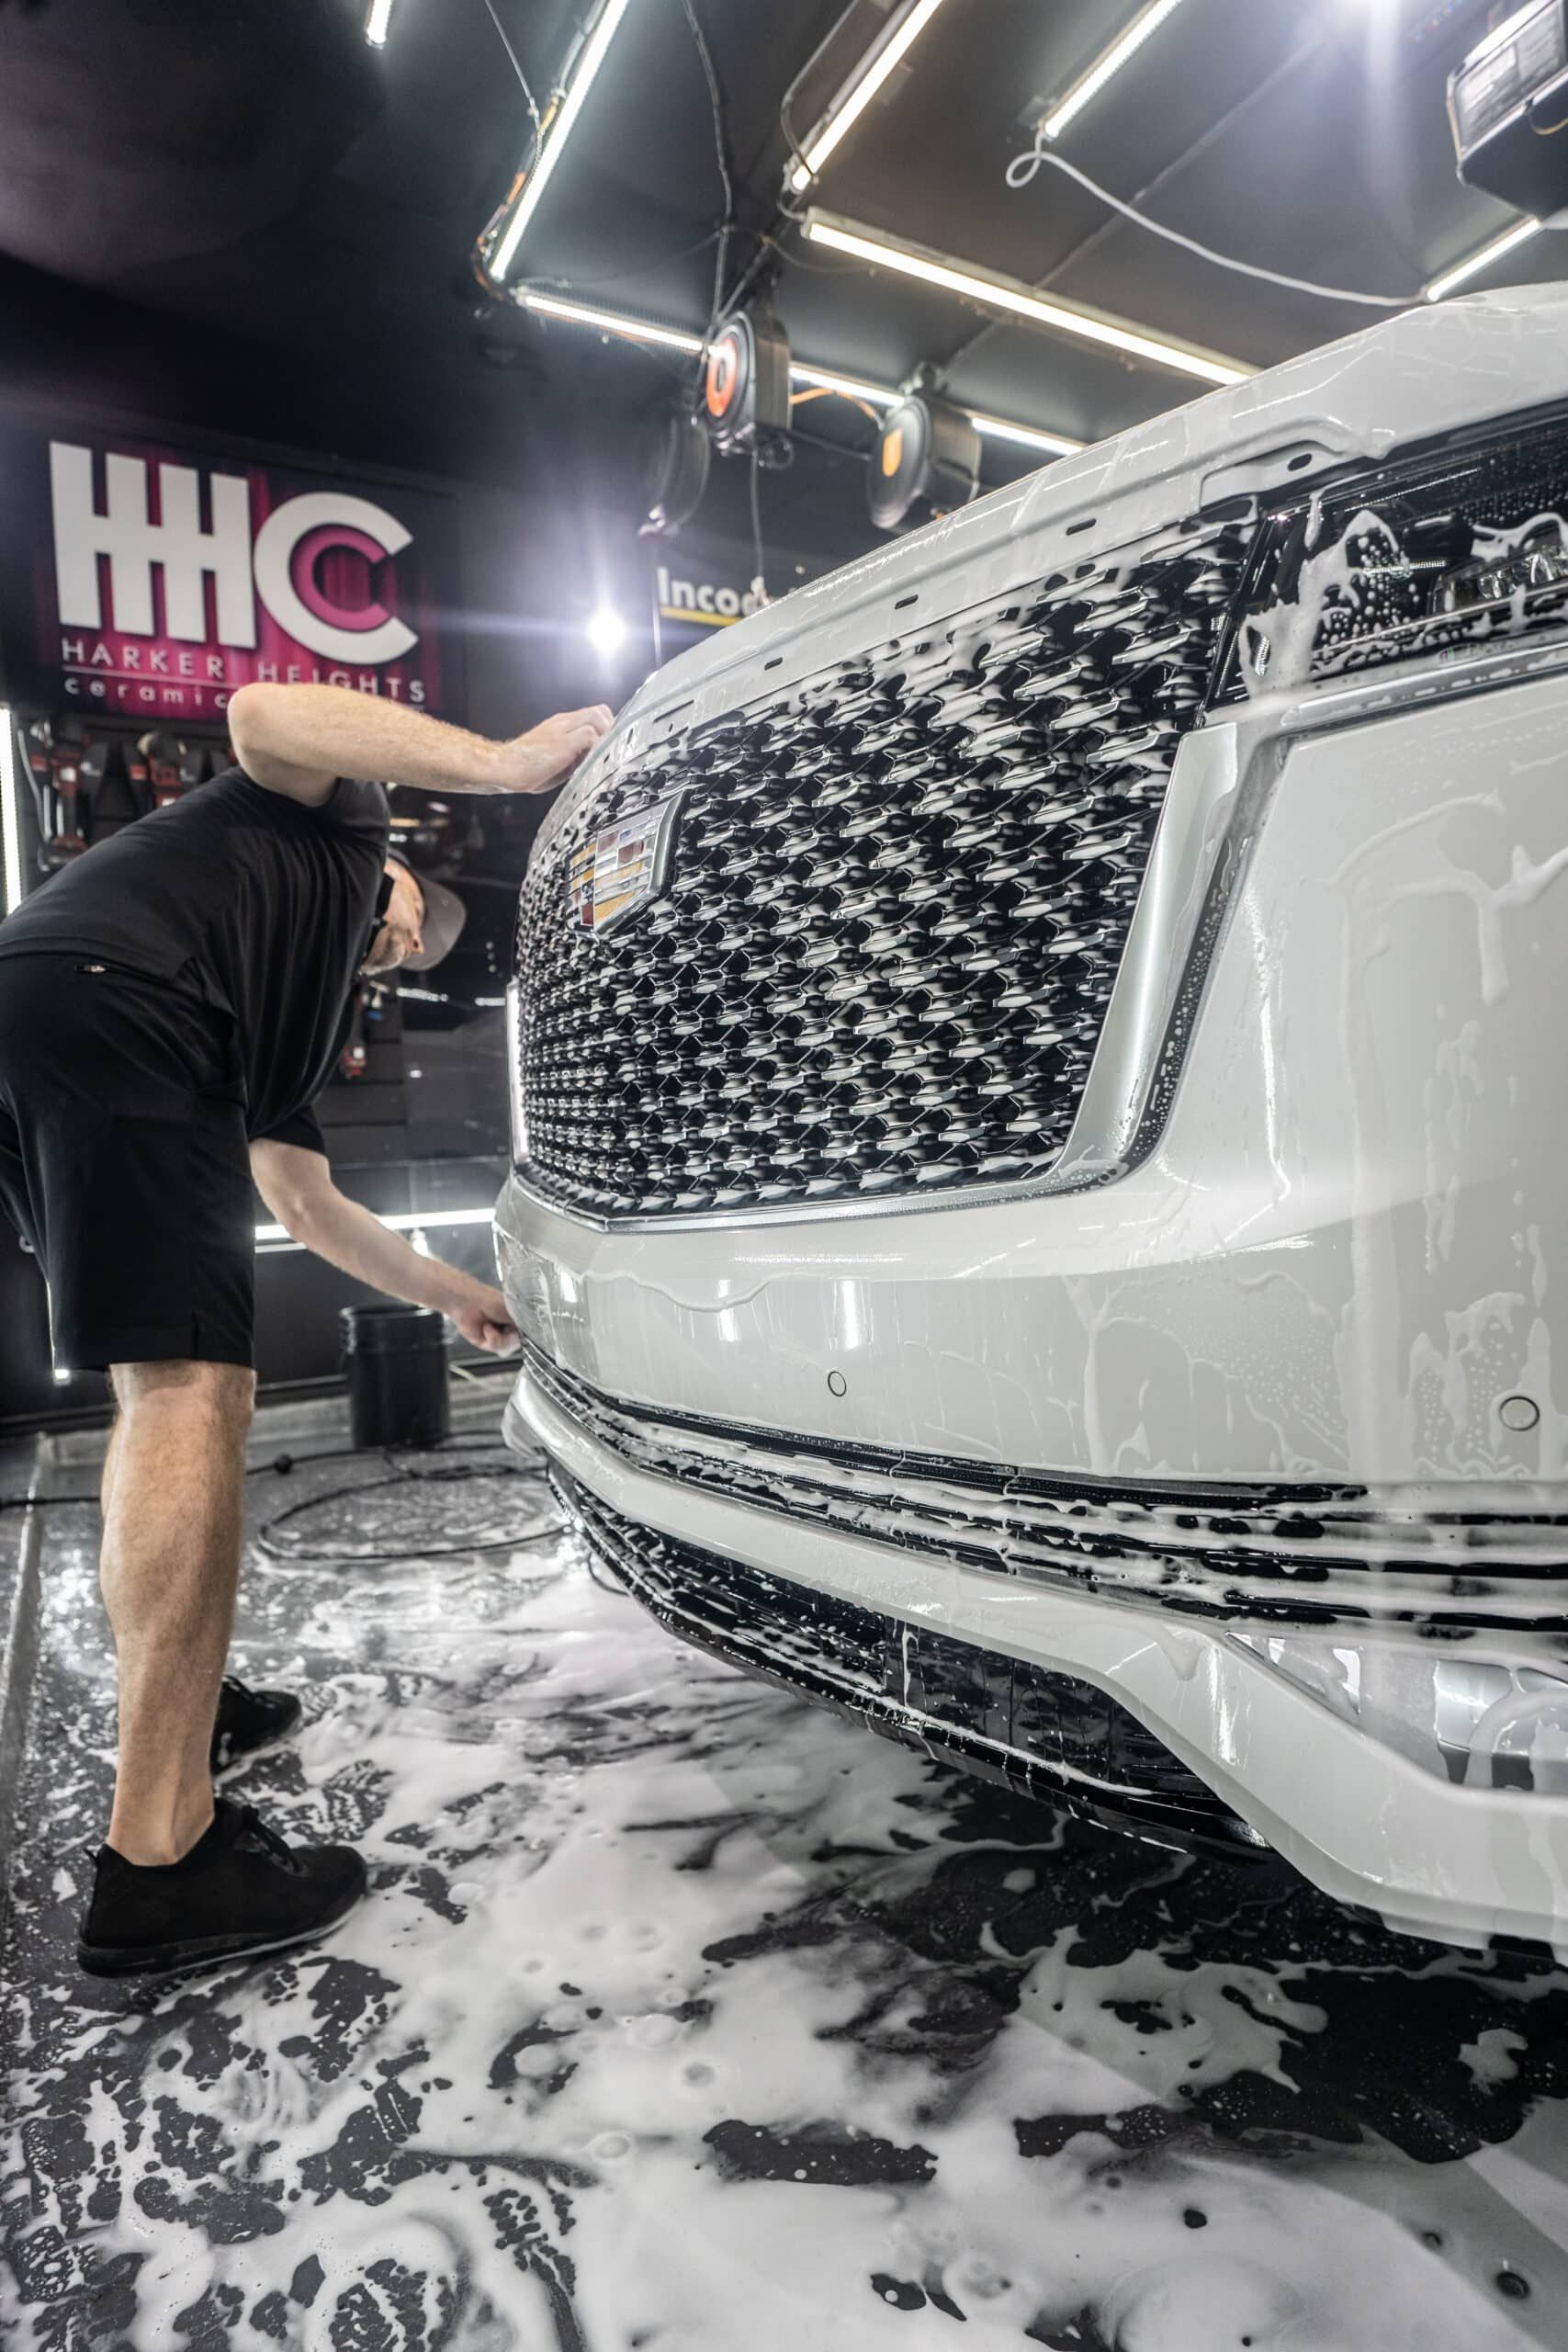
10, 816
557, 130
1483, 258
375, 23
1147, 21
1012, 294
858, 94
606, 633
551, 305
61, 1378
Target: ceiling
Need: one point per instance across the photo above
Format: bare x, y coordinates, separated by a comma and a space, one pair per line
237, 203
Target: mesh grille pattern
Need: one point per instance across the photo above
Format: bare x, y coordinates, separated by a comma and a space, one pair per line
895, 910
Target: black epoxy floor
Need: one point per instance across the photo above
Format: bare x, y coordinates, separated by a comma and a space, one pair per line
690, 2018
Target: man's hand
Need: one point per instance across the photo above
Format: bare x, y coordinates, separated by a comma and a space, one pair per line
546, 755
484, 1321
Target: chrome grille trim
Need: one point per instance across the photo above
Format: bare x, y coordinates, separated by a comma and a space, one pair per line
900, 901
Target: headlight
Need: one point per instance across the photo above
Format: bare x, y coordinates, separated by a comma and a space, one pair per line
1437, 558
514, 1074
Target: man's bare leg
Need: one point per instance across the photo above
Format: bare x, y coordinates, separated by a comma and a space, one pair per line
173, 1488
111, 1457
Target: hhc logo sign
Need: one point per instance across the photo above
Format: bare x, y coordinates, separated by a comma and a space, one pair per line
282, 568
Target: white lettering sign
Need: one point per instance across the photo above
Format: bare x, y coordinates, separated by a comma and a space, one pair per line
186, 554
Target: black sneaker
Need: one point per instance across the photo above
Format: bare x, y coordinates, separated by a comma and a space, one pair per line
248, 1720
238, 1892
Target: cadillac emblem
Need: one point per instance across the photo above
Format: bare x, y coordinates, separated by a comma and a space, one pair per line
623, 868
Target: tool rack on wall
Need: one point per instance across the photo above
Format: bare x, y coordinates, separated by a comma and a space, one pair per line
81, 779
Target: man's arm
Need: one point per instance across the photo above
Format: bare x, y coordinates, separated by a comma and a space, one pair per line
298, 1187
299, 740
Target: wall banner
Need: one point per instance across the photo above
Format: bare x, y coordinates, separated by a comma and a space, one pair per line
142, 582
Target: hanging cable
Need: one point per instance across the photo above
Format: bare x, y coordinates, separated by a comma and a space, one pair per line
1022, 171
516, 65
758, 579
721, 156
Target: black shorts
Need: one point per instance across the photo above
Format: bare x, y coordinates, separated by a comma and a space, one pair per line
124, 1162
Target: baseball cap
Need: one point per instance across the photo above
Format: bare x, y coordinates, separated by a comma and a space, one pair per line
445, 915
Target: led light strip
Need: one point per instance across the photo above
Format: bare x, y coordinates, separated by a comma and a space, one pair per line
557, 130
401, 1221
1483, 258
825, 379
555, 306
898, 38
10, 815
1010, 294
1089, 85
376, 22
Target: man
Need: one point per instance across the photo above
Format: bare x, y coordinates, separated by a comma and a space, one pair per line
170, 1006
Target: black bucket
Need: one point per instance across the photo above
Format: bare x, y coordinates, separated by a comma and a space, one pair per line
397, 1375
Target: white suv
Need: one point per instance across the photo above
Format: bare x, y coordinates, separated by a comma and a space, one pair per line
1041, 1211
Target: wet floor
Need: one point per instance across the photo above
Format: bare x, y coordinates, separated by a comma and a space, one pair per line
687, 2018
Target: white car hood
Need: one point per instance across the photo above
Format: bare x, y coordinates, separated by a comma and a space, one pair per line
1432, 369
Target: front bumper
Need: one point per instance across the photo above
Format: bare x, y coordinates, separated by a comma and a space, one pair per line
1369, 1825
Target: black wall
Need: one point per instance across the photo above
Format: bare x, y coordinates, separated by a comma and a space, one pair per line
550, 486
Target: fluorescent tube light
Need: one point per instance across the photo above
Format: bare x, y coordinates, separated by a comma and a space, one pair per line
1012, 294
552, 306
997, 428
824, 379
375, 23
885, 55
1089, 85
555, 130
10, 815
1483, 258
400, 1221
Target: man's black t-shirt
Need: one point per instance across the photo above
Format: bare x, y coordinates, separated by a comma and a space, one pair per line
262, 906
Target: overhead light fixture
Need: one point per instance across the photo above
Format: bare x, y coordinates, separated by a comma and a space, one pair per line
1012, 294
824, 379
10, 815
994, 428
1088, 85
377, 21
883, 57
554, 306
997, 428
1483, 258
555, 129
605, 632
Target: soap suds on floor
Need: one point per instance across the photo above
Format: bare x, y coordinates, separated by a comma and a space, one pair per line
686, 2016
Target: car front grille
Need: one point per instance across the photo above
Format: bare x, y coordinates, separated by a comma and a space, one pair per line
897, 900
